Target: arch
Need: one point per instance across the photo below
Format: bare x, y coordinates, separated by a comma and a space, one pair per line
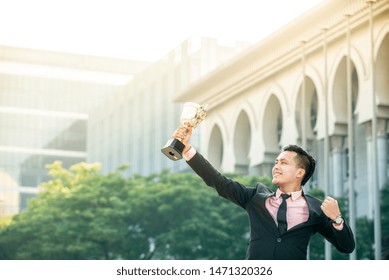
313, 74
272, 125
311, 110
338, 92
355, 56
242, 131
217, 139
218, 120
315, 89
215, 146
360, 68
248, 108
242, 142
311, 122
277, 92
339, 125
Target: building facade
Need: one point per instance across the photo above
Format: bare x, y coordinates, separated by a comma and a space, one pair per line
136, 122
45, 99
73, 108
321, 82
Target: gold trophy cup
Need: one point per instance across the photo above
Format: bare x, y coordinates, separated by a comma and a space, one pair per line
192, 115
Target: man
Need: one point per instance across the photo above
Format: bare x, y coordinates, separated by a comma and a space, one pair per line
278, 230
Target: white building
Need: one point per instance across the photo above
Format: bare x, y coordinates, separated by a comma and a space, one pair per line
72, 108
137, 121
335, 56
45, 99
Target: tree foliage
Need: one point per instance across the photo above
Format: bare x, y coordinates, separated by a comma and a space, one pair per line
83, 214
364, 233
385, 221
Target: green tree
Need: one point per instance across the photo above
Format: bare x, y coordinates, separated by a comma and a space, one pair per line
316, 244
364, 238
364, 235
385, 221
188, 220
82, 214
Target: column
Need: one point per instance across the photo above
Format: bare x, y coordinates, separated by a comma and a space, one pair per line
382, 155
337, 165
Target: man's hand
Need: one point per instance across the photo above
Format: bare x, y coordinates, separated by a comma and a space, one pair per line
330, 208
184, 135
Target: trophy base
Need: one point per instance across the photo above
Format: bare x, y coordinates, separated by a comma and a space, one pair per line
173, 149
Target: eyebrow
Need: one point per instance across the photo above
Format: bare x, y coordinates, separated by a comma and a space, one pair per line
281, 159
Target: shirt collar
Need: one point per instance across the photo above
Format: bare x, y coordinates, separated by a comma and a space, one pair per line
293, 195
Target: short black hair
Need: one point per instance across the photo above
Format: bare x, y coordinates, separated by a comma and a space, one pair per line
304, 161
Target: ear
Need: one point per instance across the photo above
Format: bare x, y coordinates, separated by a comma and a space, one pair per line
300, 173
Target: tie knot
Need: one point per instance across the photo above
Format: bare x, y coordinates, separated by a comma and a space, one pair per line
285, 196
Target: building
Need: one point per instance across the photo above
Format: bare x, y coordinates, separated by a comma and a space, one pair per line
321, 82
45, 99
73, 108
137, 121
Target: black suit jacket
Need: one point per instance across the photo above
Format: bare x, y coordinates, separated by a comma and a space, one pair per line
266, 243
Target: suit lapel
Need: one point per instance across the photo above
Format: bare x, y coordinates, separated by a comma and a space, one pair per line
262, 197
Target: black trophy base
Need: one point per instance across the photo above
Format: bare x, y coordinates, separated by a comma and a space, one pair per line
173, 149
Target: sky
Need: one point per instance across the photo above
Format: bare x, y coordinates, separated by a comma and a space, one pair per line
139, 29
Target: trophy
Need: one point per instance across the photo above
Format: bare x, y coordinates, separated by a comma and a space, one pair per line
192, 115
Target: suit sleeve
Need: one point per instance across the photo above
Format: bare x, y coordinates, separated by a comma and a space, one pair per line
343, 239
226, 187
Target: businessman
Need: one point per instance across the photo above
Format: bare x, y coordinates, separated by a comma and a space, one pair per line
281, 222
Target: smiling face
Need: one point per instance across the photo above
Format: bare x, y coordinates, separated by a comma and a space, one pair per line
286, 173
